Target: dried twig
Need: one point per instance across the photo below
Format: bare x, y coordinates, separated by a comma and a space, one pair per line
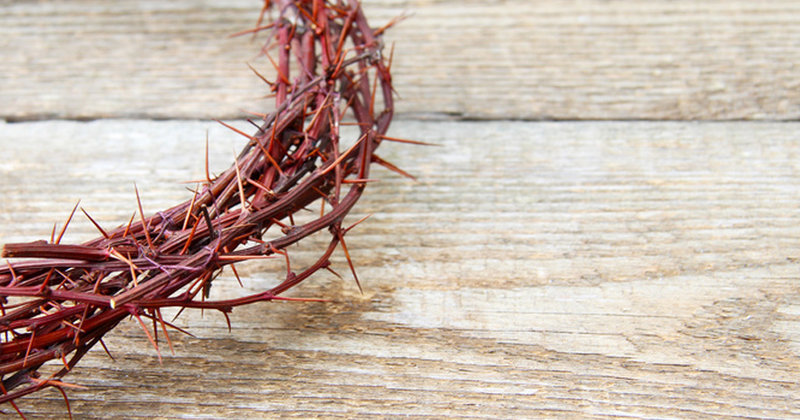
329, 67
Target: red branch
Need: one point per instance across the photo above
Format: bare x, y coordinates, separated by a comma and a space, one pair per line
330, 67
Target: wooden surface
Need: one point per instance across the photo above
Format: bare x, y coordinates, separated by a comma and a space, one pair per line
519, 59
573, 269
595, 269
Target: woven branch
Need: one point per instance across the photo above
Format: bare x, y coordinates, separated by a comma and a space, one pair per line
330, 66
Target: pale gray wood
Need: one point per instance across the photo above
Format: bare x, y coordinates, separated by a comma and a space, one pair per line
581, 59
535, 270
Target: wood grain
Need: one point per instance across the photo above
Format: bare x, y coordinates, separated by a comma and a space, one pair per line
514, 59
594, 270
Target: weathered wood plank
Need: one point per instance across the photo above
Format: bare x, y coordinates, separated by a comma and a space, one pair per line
581, 59
536, 270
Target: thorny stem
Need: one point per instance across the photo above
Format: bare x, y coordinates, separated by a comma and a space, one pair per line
330, 67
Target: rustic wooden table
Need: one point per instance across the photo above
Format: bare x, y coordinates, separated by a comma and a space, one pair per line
565, 269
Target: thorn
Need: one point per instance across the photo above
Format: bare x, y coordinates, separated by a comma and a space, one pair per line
177, 328
77, 329
157, 312
102, 343
251, 30
348, 23
102, 232
227, 319
394, 21
244, 258
233, 268
149, 337
208, 175
325, 104
399, 140
190, 210
269, 147
237, 131
128, 228
344, 155
190, 238
56, 383
334, 272
286, 256
272, 161
358, 181
13, 404
30, 345
261, 14
155, 326
236, 274
145, 226
340, 234
357, 223
391, 167
391, 59
264, 79
283, 226
134, 277
269, 192
113, 253
80, 323
282, 76
94, 290
66, 400
355, 123
257, 114
193, 181
339, 63
372, 98
212, 234
69, 219
310, 18
239, 183
199, 282
321, 194
254, 124
297, 299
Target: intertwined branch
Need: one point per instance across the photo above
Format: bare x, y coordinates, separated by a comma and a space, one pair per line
330, 71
